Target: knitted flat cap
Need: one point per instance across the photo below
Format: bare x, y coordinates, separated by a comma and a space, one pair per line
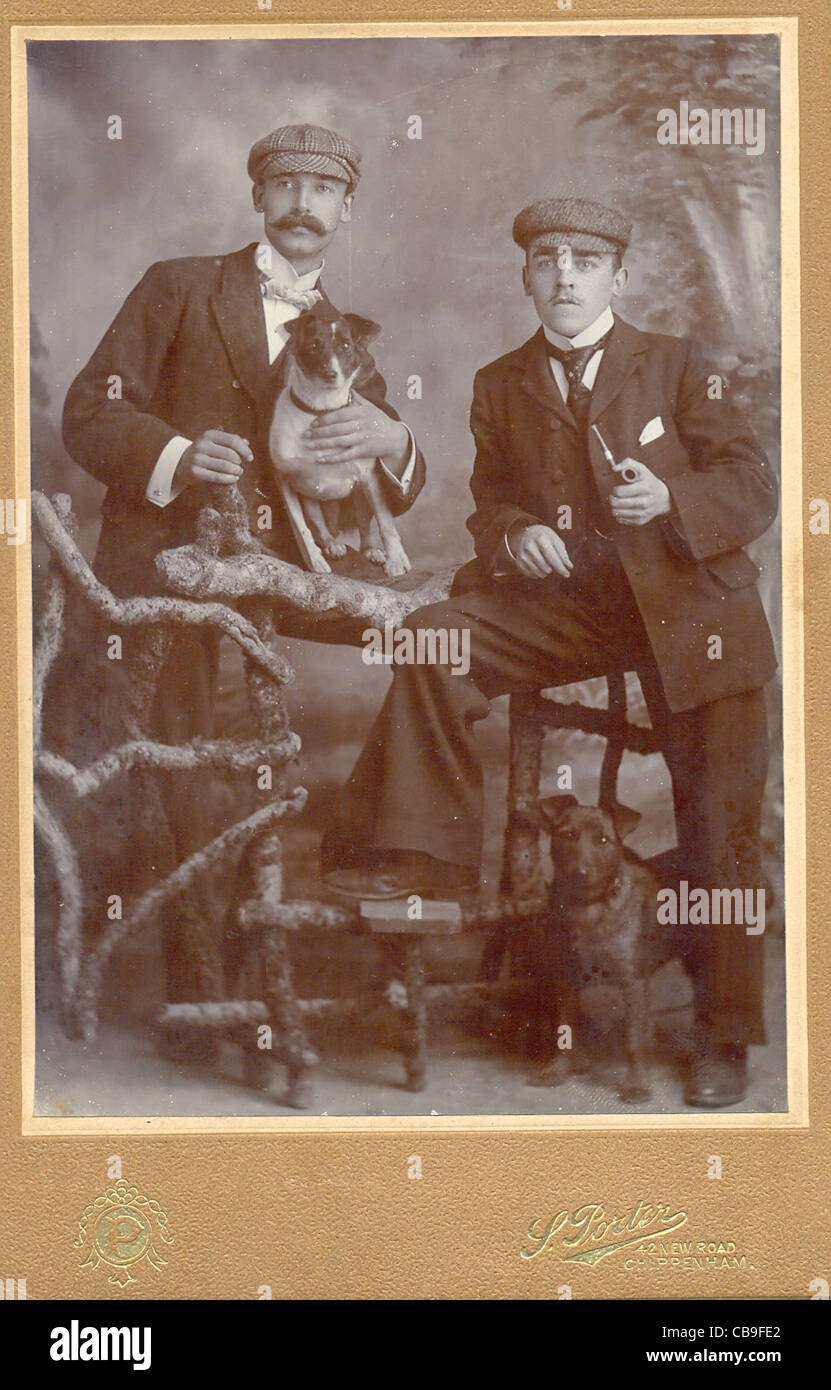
305, 149
582, 224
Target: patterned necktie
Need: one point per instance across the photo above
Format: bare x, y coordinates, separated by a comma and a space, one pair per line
575, 361
299, 299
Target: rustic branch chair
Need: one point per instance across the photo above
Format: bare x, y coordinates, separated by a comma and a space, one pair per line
531, 716
228, 582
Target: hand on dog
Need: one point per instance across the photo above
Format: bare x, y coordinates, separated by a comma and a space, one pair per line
539, 551
634, 504
358, 431
215, 457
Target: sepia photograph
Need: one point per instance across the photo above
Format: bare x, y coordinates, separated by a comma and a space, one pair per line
407, 657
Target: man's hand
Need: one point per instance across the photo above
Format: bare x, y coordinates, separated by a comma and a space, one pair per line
634, 504
539, 551
215, 457
359, 431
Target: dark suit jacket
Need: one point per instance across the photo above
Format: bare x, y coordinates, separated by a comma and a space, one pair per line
189, 346
689, 574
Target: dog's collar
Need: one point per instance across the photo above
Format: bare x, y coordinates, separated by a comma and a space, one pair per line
310, 409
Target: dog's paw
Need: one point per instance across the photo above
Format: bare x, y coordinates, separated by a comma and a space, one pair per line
334, 549
394, 565
318, 564
551, 1073
375, 556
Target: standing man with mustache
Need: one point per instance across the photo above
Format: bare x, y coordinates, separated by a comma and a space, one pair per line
170, 405
582, 568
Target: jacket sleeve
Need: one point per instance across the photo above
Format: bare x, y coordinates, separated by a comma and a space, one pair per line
493, 485
109, 426
729, 497
371, 385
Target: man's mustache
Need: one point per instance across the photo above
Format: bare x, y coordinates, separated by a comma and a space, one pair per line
301, 219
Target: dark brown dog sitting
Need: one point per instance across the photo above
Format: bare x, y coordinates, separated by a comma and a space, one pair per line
601, 928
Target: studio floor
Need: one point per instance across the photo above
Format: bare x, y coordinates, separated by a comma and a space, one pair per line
360, 1073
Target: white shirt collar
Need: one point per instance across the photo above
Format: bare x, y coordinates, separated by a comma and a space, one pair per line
586, 336
275, 267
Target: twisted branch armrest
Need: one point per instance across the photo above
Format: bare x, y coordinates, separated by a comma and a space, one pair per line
151, 610
191, 572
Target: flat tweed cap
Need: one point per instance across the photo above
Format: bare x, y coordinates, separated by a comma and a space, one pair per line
577, 222
305, 149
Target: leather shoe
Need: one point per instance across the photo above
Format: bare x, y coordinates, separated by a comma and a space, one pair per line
375, 885
718, 1076
398, 873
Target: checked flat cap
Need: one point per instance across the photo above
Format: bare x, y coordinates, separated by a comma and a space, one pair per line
584, 225
305, 149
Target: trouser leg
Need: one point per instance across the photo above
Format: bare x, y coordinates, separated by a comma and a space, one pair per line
418, 783
718, 757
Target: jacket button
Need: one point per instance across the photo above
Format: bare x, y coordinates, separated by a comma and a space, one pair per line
558, 475
235, 385
553, 422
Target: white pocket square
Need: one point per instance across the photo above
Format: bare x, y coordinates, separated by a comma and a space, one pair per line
653, 430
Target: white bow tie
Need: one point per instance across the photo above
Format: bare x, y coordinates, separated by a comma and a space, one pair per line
299, 299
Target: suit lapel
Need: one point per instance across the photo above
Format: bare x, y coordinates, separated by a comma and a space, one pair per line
238, 309
538, 379
616, 366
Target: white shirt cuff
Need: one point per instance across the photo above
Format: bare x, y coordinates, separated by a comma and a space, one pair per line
500, 569
403, 483
160, 489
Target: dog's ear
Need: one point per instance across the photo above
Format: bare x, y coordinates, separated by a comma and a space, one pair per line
625, 819
362, 330
553, 808
293, 326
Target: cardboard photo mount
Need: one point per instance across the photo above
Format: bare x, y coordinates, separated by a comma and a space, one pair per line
500, 1206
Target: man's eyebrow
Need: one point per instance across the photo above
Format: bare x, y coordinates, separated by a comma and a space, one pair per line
554, 248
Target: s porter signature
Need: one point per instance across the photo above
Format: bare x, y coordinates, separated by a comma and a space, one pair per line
583, 1230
